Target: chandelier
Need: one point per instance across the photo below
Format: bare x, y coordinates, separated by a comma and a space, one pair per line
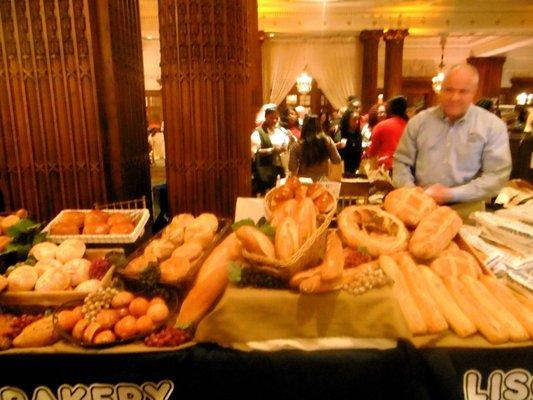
437, 80
303, 83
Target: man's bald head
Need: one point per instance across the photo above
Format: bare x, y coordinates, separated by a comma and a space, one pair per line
458, 90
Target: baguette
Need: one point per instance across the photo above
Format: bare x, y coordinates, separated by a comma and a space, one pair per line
459, 322
429, 309
314, 284
333, 264
410, 311
286, 241
288, 208
306, 219
211, 282
255, 241
505, 296
489, 327
517, 332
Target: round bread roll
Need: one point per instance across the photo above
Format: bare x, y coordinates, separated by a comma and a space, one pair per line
52, 280
174, 269
65, 228
42, 266
78, 270
9, 221
90, 285
22, 279
73, 217
325, 202
199, 232
182, 220
44, 251
410, 204
119, 218
70, 249
95, 217
21, 213
99, 228
122, 228
137, 265
190, 250
174, 234
159, 249
209, 219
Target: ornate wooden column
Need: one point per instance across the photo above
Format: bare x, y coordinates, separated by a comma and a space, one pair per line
490, 75
71, 104
369, 81
205, 73
393, 61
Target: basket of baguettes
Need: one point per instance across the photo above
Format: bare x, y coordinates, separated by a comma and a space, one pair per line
300, 215
437, 284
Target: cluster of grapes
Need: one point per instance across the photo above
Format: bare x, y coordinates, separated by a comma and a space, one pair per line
96, 301
22, 321
259, 279
353, 258
368, 279
99, 268
167, 337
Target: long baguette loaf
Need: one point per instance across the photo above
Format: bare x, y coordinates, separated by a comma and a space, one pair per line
333, 263
434, 233
210, 283
410, 311
491, 328
255, 241
516, 331
505, 296
429, 309
315, 284
460, 323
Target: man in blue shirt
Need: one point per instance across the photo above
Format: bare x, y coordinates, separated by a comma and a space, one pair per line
457, 151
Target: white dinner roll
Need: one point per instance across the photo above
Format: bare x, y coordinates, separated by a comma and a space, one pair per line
22, 279
78, 270
52, 280
42, 266
70, 249
44, 251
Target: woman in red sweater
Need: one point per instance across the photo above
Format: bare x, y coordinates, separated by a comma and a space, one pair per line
387, 133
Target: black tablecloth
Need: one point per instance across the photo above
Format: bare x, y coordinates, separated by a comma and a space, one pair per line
196, 372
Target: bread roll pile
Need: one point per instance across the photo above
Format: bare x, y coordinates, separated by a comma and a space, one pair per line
8, 221
94, 222
181, 244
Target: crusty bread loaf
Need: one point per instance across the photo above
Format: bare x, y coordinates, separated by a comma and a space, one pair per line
489, 327
458, 320
255, 241
410, 204
416, 284
333, 263
434, 233
378, 231
413, 317
306, 219
455, 263
37, 334
286, 241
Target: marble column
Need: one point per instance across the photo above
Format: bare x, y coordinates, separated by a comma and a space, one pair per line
393, 61
369, 81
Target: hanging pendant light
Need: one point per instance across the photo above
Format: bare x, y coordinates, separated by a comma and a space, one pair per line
437, 80
304, 83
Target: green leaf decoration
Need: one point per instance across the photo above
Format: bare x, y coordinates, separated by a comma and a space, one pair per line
363, 250
116, 258
234, 271
23, 227
242, 222
268, 230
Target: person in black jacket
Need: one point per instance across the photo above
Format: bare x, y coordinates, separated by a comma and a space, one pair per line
351, 148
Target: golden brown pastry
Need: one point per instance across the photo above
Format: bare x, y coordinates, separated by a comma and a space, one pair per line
190, 250
378, 231
288, 208
37, 334
9, 221
73, 217
159, 249
210, 219
306, 219
409, 204
333, 264
286, 241
121, 228
174, 269
95, 217
119, 218
97, 228
64, 228
434, 233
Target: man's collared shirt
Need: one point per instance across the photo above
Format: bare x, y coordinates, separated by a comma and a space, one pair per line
470, 155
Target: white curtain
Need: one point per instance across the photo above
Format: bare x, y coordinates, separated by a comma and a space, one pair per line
335, 63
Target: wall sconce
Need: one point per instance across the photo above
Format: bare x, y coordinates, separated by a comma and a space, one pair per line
304, 83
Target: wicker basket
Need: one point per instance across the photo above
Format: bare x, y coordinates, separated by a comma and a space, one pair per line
308, 255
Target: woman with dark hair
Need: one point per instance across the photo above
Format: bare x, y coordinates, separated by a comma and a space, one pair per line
289, 120
351, 140
387, 133
310, 156
376, 114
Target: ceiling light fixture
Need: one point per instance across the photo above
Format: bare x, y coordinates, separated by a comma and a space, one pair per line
437, 80
304, 83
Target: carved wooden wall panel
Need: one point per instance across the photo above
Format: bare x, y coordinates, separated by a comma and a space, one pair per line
52, 152
206, 73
